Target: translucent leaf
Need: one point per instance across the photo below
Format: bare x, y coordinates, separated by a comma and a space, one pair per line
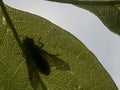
85, 72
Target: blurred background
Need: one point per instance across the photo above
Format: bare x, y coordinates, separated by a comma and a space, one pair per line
82, 24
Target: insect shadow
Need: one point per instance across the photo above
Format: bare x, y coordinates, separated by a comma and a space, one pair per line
39, 60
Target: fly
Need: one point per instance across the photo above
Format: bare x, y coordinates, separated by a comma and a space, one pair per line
36, 54
40, 60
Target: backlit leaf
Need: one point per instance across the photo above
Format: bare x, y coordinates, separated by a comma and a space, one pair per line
86, 73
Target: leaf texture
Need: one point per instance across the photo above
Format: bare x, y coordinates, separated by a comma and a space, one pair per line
86, 73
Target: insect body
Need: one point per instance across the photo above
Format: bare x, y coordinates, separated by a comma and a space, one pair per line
36, 54
39, 60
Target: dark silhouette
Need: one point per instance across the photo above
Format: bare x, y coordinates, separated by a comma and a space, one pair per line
36, 54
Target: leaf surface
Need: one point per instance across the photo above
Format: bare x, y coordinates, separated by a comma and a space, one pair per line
86, 73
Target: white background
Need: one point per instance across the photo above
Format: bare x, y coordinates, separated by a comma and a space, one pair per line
82, 24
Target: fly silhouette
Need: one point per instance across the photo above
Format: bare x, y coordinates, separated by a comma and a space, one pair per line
39, 60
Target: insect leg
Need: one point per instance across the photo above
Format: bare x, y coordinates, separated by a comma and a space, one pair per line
42, 44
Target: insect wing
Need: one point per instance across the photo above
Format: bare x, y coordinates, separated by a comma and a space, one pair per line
58, 63
34, 76
55, 61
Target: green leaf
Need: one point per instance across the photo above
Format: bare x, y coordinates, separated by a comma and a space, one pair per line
85, 70
106, 10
